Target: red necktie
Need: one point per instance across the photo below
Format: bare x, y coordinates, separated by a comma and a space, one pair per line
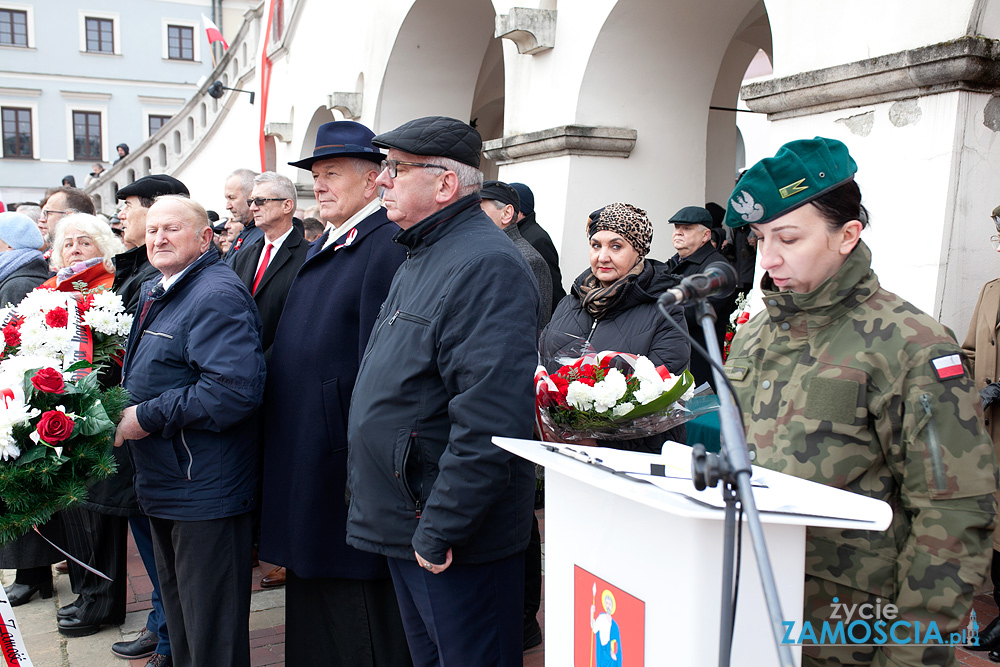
263, 267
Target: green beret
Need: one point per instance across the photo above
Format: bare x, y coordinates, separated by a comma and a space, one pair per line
799, 172
693, 215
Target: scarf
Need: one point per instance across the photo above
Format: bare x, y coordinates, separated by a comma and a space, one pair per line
14, 259
69, 271
597, 299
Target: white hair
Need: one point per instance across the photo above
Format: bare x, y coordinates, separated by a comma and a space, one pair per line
283, 186
470, 179
99, 232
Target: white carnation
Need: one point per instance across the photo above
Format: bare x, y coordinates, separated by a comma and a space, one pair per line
623, 409
579, 395
8, 448
16, 367
645, 370
609, 391
123, 322
102, 321
649, 390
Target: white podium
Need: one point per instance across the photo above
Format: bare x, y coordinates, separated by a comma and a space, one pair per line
652, 544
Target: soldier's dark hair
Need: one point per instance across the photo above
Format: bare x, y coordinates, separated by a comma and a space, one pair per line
841, 205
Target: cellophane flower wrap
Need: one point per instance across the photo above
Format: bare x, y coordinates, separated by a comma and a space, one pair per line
609, 396
57, 423
739, 317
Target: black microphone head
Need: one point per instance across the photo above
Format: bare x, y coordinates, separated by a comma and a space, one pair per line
727, 277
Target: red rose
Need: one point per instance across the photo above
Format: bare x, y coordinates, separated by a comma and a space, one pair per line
57, 317
11, 335
729, 336
49, 380
562, 384
54, 426
743, 318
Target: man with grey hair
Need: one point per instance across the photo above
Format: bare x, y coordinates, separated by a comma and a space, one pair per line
268, 265
238, 187
448, 366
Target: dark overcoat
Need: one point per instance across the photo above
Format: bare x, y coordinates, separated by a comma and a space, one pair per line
322, 334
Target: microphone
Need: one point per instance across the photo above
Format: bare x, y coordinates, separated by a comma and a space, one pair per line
718, 279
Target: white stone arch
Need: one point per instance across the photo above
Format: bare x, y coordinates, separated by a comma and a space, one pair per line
320, 116
653, 68
444, 61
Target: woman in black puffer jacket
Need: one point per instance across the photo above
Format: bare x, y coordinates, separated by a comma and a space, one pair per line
612, 306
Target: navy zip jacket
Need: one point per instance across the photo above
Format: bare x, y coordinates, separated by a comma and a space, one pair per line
449, 365
195, 371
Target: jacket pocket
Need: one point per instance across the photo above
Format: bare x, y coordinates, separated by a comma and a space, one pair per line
407, 467
333, 415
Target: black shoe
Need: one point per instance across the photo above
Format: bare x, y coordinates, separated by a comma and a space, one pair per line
989, 638
160, 660
994, 656
142, 646
70, 609
19, 594
74, 626
532, 634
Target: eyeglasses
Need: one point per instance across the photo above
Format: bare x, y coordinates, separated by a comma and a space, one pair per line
46, 213
391, 165
259, 201
996, 221
995, 242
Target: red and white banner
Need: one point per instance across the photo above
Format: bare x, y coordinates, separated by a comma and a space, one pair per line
213, 32
11, 644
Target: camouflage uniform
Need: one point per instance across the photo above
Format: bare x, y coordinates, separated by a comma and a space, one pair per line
837, 386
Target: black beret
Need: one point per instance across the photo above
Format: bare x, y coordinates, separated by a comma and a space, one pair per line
153, 186
693, 215
435, 136
501, 192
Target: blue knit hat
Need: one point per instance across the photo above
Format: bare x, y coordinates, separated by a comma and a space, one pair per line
18, 231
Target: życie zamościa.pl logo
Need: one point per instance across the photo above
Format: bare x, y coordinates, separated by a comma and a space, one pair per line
875, 624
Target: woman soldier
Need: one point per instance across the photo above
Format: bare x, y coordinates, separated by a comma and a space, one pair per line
843, 383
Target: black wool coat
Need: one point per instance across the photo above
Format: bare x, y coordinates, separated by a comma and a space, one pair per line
317, 348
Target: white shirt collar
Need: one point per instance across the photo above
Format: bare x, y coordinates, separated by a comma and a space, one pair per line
339, 232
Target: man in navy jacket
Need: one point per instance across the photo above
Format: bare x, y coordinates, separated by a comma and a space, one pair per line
340, 606
448, 366
195, 370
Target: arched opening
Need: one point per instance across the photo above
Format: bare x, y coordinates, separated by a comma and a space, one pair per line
320, 116
204, 114
163, 155
98, 203
177, 142
190, 128
131, 175
445, 61
654, 68
147, 166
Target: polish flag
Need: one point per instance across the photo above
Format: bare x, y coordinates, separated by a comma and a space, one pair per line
948, 367
264, 72
213, 32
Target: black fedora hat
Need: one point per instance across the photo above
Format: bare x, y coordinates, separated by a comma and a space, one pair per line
342, 138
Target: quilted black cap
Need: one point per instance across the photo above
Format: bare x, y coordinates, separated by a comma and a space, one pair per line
432, 136
153, 186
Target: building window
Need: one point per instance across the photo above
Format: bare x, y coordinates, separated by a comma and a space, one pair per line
100, 35
16, 132
156, 122
13, 27
87, 135
180, 42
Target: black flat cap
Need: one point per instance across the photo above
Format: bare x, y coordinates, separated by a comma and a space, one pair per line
693, 215
153, 186
435, 136
501, 192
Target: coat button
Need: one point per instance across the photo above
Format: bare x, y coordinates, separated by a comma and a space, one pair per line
987, 382
766, 384
992, 341
752, 455
772, 302
785, 326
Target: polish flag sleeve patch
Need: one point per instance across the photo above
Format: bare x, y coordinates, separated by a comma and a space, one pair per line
948, 367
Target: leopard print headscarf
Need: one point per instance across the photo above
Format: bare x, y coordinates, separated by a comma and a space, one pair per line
630, 221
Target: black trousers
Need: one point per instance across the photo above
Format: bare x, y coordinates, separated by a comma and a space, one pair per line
343, 623
205, 586
99, 540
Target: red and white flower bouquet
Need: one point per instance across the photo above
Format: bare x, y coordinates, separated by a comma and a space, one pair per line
57, 424
610, 396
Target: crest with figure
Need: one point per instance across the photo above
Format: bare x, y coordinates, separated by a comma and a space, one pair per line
609, 625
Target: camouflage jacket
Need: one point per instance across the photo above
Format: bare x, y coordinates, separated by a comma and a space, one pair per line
839, 386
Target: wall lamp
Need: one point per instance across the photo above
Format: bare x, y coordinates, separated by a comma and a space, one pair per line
215, 90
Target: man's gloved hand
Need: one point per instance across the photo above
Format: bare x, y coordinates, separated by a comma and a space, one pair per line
990, 394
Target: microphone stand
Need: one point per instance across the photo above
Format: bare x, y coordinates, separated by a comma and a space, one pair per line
732, 467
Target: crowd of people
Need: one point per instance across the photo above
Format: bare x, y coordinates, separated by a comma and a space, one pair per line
320, 388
